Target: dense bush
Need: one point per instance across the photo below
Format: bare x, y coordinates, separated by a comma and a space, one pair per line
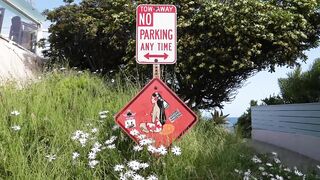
244, 123
220, 43
298, 87
301, 87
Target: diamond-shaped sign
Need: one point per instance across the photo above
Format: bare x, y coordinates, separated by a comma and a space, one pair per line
155, 114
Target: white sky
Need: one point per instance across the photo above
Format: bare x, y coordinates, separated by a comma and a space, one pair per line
262, 85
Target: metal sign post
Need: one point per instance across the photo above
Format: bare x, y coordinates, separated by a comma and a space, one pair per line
156, 71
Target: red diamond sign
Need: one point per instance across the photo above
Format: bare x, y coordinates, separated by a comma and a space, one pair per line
156, 114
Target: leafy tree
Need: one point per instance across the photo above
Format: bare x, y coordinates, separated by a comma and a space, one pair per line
244, 125
220, 43
273, 100
301, 87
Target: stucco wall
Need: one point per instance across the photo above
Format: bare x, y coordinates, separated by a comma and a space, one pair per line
303, 144
16, 63
292, 126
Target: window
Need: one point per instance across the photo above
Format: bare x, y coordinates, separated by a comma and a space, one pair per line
17, 27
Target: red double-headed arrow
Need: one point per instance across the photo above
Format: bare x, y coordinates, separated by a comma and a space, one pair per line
164, 55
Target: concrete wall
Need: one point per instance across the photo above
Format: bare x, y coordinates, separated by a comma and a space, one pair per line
16, 63
295, 127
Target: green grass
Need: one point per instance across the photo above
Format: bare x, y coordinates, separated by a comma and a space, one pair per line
59, 104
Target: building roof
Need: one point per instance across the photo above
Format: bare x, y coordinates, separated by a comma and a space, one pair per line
26, 9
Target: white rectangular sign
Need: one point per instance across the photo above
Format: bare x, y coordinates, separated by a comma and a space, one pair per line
156, 34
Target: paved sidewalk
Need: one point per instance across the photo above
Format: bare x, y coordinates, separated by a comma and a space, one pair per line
289, 158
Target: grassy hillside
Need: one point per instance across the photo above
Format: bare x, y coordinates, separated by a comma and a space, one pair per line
52, 129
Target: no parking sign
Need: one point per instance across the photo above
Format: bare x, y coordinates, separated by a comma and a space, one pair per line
156, 31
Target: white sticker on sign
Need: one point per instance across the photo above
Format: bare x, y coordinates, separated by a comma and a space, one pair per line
156, 29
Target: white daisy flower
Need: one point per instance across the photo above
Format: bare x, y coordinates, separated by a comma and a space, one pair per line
247, 173
118, 167
152, 149
255, 159
80, 72
75, 155
16, 128
150, 141
51, 157
112, 80
104, 116
15, 113
111, 140
85, 135
83, 141
264, 173
237, 171
261, 168
145, 142
134, 132
92, 164
274, 153
111, 146
141, 136
129, 174
92, 155
103, 112
152, 177
276, 160
144, 165
318, 166
137, 148
115, 127
138, 177
122, 177
162, 150
76, 135
269, 164
287, 169
134, 165
297, 172
63, 68
96, 147
279, 177
94, 130
176, 150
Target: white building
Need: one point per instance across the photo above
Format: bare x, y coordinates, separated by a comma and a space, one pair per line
20, 30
